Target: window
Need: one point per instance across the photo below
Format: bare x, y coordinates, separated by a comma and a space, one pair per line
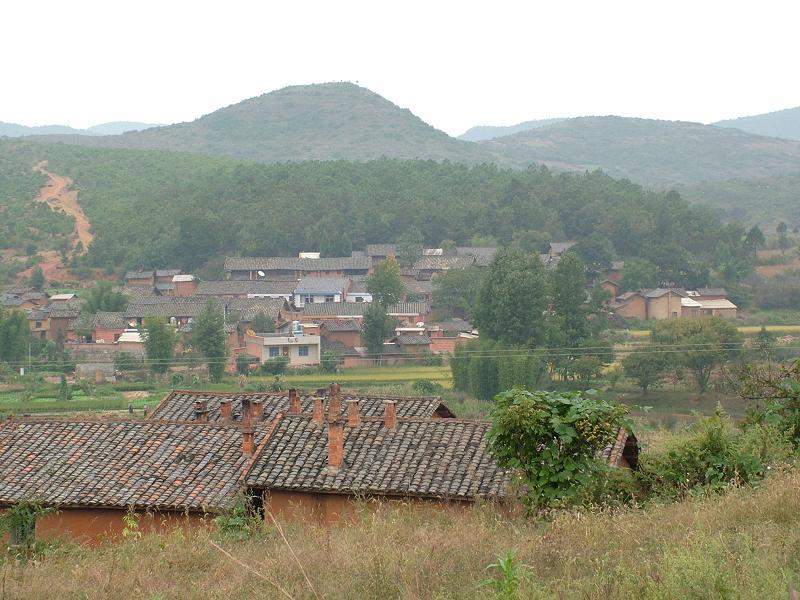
329, 298
359, 299
308, 299
302, 350
38, 324
274, 351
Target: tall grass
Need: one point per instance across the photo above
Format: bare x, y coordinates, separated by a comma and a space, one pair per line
745, 544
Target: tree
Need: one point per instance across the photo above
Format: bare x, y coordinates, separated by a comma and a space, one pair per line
783, 241
159, 343
64, 393
552, 440
513, 298
596, 252
704, 344
638, 274
208, 336
103, 298
409, 246
456, 291
385, 283
261, 323
14, 336
754, 239
568, 286
646, 368
36, 280
376, 328
329, 361
243, 364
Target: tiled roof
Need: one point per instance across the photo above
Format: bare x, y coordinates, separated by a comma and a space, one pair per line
121, 464
658, 292
624, 445
321, 285
358, 286
280, 263
432, 458
712, 292
413, 340
248, 308
357, 309
483, 254
168, 272
338, 347
70, 309
419, 287
453, 325
139, 275
560, 247
178, 405
381, 249
235, 287
343, 325
443, 263
109, 320
165, 306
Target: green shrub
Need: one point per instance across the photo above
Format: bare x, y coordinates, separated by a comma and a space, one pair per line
330, 361
275, 366
426, 387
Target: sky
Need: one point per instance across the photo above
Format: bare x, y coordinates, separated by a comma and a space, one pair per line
454, 64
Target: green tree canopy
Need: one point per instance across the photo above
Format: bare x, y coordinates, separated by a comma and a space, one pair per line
638, 274
208, 336
646, 368
385, 283
456, 292
513, 298
376, 328
568, 287
103, 298
14, 336
159, 343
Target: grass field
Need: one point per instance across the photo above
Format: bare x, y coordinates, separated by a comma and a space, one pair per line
744, 329
742, 545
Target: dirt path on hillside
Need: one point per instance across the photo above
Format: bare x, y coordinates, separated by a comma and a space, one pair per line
58, 196
56, 193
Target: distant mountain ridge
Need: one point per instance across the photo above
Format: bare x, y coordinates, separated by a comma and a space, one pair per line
112, 128
488, 132
326, 121
781, 124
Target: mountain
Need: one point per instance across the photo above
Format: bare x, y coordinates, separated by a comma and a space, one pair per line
118, 127
488, 132
113, 128
14, 130
309, 122
650, 152
781, 124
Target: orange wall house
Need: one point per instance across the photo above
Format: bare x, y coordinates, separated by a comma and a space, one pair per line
665, 306
634, 306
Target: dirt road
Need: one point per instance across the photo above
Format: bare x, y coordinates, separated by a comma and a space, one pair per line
58, 196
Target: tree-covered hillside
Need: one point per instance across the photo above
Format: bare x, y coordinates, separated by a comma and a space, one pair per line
161, 208
781, 124
660, 153
488, 132
310, 122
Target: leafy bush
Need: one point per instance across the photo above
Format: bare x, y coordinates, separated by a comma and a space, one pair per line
243, 364
426, 387
329, 361
275, 366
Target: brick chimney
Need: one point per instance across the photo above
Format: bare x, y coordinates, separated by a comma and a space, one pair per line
335, 444
319, 410
225, 410
389, 414
257, 411
353, 416
294, 402
320, 392
334, 402
247, 415
201, 411
248, 441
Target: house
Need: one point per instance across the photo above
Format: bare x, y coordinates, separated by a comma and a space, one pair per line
379, 252
183, 285
446, 335
556, 249
345, 331
631, 305
310, 290
419, 291
166, 275
177, 311
664, 303
260, 288
358, 291
250, 268
429, 266
614, 272
411, 345
22, 298
108, 327
132, 343
94, 472
140, 278
408, 312
718, 308
483, 255
300, 349
62, 317
39, 323
611, 287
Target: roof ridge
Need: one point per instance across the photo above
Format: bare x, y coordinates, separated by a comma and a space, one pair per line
259, 451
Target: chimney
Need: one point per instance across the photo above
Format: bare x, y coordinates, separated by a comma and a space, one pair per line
225, 410
334, 402
389, 414
201, 411
353, 416
247, 415
294, 402
321, 392
248, 441
335, 444
257, 411
319, 410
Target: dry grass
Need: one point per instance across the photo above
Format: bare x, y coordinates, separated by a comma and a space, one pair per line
743, 545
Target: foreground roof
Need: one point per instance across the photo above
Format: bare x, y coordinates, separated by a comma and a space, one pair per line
120, 464
440, 458
179, 405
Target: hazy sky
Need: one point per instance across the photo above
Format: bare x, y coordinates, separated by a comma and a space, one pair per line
454, 64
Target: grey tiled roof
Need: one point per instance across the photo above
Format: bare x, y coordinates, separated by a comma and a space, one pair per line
381, 249
443, 263
483, 254
357, 309
168, 272
419, 287
64, 310
658, 292
432, 458
109, 320
139, 274
235, 287
343, 325
165, 306
321, 285
413, 340
281, 263
248, 308
121, 464
178, 405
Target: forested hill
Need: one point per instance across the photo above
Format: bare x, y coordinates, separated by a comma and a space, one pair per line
112, 128
488, 132
659, 153
170, 209
781, 124
310, 122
